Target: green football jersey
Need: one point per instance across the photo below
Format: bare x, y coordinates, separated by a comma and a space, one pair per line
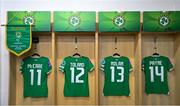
35, 71
76, 75
155, 69
116, 70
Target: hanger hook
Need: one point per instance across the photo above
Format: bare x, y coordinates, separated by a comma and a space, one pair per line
35, 46
115, 43
76, 43
155, 42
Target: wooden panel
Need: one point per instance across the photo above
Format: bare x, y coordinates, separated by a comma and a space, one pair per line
12, 81
126, 47
137, 69
65, 44
165, 46
138, 58
177, 67
54, 61
97, 60
42, 48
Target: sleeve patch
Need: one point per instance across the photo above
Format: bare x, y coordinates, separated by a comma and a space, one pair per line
49, 64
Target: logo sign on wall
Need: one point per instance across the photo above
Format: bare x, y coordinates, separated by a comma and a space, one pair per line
119, 21
161, 21
40, 20
18, 38
74, 21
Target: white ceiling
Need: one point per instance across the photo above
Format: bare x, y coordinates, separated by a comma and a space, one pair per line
92, 5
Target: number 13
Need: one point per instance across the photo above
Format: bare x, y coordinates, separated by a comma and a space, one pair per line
121, 74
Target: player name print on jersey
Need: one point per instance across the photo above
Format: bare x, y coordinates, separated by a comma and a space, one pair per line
35, 71
156, 70
76, 76
116, 70
35, 66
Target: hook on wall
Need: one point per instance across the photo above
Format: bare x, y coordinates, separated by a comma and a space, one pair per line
116, 54
155, 46
115, 43
76, 47
35, 41
155, 42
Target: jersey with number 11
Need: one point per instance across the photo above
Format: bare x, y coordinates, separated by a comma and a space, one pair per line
155, 69
34, 71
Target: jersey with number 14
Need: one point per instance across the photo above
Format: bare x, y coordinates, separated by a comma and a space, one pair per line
34, 71
155, 69
116, 70
76, 75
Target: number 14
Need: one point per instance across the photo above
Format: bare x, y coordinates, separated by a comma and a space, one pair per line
157, 73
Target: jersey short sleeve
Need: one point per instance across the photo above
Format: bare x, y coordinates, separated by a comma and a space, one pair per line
90, 66
102, 65
169, 64
129, 65
62, 65
49, 66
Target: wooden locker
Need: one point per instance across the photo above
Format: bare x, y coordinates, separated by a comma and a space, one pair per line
44, 48
65, 46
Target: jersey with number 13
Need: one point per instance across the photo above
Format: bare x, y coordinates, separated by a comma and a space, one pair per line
155, 69
76, 75
35, 71
116, 70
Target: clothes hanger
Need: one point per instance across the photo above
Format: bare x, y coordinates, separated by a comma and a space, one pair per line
155, 48
35, 41
156, 54
76, 49
76, 54
116, 54
35, 54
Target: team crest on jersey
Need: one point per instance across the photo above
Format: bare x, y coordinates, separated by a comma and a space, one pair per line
74, 21
164, 20
119, 21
